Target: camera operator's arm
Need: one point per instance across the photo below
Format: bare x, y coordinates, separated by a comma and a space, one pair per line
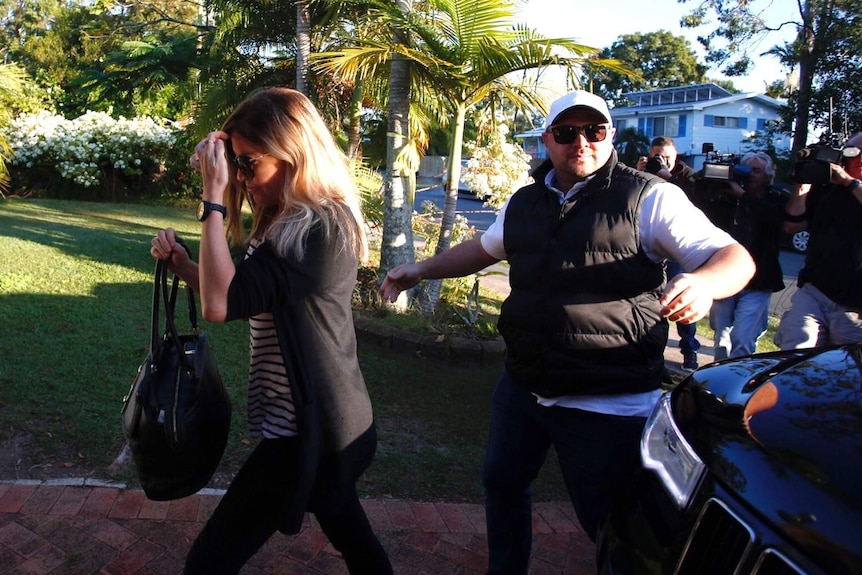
795, 209
684, 177
840, 177
663, 172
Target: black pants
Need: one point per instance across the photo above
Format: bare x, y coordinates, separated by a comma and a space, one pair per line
247, 517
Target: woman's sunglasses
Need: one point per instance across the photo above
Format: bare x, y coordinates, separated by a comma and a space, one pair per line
568, 134
245, 165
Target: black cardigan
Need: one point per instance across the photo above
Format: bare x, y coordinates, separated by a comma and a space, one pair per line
311, 304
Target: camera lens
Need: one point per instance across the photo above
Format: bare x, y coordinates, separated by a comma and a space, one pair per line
654, 164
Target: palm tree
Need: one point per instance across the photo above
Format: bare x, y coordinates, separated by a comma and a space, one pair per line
630, 145
400, 184
387, 87
12, 80
461, 53
303, 46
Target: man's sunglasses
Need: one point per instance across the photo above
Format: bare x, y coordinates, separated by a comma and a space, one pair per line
568, 134
245, 165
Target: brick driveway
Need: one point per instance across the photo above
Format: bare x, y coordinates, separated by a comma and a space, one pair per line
87, 528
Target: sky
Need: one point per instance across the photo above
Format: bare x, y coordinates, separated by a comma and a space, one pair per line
599, 23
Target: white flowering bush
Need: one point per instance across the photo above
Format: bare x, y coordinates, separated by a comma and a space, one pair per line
496, 170
101, 157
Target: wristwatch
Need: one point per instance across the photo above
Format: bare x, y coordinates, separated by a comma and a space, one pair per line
854, 184
205, 208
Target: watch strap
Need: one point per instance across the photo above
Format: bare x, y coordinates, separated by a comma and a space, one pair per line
209, 207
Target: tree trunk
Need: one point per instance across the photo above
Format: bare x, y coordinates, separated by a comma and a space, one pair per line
303, 46
807, 54
354, 133
397, 245
431, 291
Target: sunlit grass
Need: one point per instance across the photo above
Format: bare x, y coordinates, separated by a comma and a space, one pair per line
75, 298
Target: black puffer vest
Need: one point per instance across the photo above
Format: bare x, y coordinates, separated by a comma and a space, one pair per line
583, 314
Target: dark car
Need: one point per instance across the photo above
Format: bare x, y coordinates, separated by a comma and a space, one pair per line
750, 466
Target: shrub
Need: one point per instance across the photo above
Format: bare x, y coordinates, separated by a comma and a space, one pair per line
497, 169
93, 157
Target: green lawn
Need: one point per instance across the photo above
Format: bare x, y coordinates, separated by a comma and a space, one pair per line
75, 296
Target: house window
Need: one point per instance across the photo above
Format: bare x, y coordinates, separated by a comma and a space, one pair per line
620, 125
725, 121
666, 126
670, 126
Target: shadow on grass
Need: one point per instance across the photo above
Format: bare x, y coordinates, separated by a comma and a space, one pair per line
106, 233
433, 419
75, 297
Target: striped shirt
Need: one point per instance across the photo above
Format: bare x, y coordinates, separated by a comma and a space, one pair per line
271, 411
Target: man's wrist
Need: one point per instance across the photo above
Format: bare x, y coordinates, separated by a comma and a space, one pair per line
853, 184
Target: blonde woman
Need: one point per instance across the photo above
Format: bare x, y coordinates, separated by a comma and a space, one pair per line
307, 399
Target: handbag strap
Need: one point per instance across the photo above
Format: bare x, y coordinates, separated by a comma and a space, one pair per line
162, 296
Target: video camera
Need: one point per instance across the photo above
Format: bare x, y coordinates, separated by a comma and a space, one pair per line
813, 163
720, 167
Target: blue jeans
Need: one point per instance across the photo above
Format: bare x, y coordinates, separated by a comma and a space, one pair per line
686, 332
739, 321
597, 453
813, 319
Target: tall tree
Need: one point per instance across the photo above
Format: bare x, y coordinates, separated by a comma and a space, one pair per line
659, 60
265, 43
399, 184
78, 51
836, 101
741, 26
303, 45
461, 53
341, 24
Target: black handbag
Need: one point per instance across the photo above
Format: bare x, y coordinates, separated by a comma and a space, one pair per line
177, 413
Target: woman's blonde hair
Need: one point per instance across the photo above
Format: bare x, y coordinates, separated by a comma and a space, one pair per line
318, 188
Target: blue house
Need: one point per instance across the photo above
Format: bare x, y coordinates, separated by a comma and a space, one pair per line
692, 116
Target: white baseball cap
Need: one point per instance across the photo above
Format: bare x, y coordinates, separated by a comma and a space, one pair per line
578, 99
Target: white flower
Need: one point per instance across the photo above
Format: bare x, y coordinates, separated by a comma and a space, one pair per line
78, 147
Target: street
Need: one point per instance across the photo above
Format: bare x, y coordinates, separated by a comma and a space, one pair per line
469, 206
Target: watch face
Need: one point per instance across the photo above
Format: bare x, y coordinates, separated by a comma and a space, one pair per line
201, 211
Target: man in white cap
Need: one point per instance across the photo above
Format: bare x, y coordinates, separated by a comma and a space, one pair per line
586, 321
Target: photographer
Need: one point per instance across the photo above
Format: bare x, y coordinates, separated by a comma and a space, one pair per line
751, 209
826, 307
663, 162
